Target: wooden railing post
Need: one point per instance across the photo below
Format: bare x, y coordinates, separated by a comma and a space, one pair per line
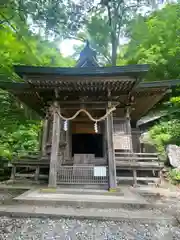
37, 172
54, 146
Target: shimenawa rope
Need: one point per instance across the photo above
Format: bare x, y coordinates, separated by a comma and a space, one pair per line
88, 114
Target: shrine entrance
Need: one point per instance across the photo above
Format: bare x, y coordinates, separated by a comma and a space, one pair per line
88, 166
87, 143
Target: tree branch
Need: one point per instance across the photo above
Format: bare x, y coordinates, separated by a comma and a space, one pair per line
133, 6
76, 38
15, 30
107, 58
6, 20
109, 15
73, 37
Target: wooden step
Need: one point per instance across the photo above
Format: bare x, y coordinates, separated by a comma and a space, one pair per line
135, 153
136, 158
30, 175
139, 165
145, 179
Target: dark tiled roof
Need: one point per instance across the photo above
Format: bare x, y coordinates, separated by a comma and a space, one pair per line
128, 70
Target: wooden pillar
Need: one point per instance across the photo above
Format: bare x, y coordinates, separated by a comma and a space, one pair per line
13, 173
68, 142
104, 127
36, 177
129, 131
44, 137
135, 177
110, 153
54, 146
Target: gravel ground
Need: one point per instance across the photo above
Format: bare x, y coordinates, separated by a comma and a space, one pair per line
69, 229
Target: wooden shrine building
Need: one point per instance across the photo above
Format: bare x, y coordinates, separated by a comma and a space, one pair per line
90, 114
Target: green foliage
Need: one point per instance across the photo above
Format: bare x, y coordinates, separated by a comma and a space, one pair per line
167, 131
155, 41
107, 25
20, 126
99, 33
174, 175
15, 50
52, 18
18, 133
23, 140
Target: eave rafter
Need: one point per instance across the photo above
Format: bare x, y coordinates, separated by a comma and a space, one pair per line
73, 87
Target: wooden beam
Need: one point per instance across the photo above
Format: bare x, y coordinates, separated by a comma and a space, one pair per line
76, 107
165, 83
87, 102
54, 146
111, 153
94, 105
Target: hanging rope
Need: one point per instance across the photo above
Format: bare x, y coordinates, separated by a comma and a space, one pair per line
87, 113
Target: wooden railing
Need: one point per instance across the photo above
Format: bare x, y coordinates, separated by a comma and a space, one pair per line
138, 162
82, 174
28, 160
135, 156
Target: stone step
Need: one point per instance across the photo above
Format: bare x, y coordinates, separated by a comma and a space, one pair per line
127, 199
119, 214
78, 203
86, 200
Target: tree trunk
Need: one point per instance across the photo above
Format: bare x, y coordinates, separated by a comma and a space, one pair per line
114, 50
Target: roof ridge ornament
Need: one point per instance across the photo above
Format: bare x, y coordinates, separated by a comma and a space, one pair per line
87, 57
87, 43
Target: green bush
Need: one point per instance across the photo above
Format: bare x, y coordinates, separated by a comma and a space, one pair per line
174, 175
22, 140
164, 133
